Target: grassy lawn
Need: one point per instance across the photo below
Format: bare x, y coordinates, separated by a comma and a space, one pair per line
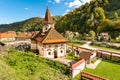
69, 56
107, 69
104, 48
76, 43
28, 66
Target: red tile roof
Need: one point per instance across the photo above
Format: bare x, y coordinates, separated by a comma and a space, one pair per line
77, 63
8, 35
23, 35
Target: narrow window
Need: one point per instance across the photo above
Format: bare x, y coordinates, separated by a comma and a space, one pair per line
49, 53
61, 51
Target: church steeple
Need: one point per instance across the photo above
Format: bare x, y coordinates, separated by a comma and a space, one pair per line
47, 21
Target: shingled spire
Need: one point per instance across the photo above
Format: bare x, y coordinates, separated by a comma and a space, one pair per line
48, 19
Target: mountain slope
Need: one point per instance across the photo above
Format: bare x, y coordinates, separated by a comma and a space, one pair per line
31, 24
26, 25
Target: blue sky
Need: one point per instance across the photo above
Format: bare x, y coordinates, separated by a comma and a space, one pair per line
18, 10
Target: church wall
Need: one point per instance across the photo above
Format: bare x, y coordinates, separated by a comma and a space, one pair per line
50, 48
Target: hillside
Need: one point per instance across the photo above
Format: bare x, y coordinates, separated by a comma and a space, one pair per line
28, 66
26, 25
112, 11
93, 16
31, 24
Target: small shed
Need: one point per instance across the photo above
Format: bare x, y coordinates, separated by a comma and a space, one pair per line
88, 56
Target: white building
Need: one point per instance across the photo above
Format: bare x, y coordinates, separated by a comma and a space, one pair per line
48, 42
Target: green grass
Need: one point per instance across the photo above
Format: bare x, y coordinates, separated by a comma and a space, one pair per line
107, 69
104, 48
69, 56
76, 43
77, 77
6, 72
28, 66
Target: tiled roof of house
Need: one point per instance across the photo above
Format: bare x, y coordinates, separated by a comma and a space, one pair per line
52, 36
48, 19
8, 35
23, 35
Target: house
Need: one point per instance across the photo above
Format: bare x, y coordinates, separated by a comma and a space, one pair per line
23, 37
8, 36
88, 56
103, 36
48, 42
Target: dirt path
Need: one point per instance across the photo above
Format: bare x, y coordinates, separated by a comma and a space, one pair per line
87, 45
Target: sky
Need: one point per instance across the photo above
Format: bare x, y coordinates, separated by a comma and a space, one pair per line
19, 10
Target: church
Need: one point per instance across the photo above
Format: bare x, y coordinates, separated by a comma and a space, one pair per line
48, 42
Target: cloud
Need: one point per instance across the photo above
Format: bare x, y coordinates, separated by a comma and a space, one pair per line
26, 9
57, 1
66, 11
66, 3
77, 3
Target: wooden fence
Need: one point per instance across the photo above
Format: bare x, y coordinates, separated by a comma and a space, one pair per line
91, 76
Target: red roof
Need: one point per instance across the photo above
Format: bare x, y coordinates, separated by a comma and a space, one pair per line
8, 35
77, 63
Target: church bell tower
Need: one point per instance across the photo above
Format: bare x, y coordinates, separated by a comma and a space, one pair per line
47, 22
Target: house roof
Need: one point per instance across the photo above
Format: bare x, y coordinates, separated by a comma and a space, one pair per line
8, 35
85, 55
48, 19
52, 36
23, 35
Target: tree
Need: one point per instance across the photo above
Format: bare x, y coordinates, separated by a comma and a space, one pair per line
92, 34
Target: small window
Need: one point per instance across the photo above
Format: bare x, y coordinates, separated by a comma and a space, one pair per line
61, 51
49, 53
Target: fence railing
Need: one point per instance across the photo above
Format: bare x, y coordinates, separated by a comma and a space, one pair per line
91, 76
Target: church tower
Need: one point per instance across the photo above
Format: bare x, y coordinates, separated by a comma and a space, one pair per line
47, 22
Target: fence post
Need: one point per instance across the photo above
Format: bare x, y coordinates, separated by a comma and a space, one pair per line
110, 56
101, 54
